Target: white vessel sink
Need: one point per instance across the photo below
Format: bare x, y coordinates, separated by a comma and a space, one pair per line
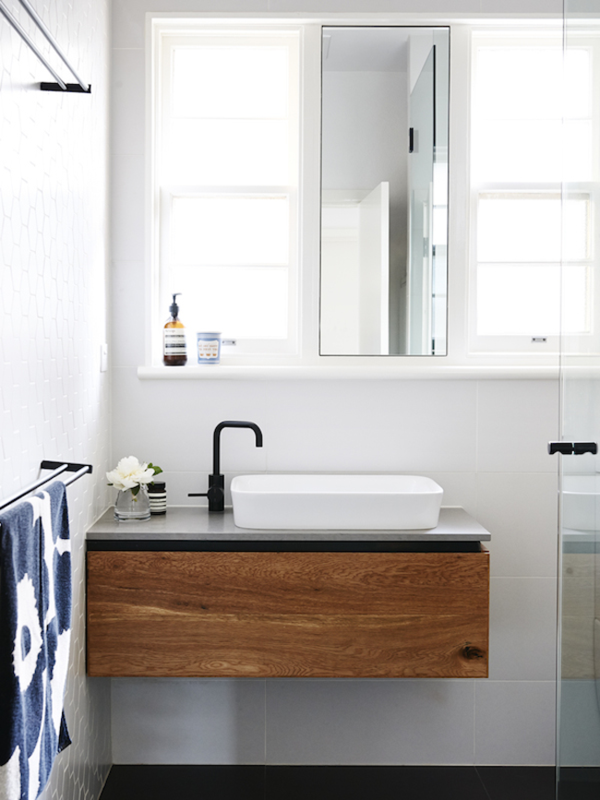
336, 502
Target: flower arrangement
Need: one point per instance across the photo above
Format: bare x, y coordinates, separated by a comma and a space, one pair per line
130, 474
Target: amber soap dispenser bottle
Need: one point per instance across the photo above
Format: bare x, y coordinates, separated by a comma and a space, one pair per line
174, 347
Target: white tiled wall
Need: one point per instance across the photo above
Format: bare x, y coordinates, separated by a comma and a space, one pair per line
54, 400
483, 441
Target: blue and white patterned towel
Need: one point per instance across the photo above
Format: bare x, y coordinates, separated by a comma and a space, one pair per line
35, 632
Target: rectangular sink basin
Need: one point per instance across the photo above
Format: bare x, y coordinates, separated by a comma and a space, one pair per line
336, 502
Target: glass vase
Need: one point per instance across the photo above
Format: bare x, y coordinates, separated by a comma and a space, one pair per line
130, 506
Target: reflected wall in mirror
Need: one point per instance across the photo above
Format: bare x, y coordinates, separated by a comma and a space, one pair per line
384, 191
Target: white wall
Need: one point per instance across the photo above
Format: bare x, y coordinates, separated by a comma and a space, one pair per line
484, 441
55, 402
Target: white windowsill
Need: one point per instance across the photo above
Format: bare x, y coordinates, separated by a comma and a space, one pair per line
367, 372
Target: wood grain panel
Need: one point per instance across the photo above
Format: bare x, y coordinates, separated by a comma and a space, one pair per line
288, 614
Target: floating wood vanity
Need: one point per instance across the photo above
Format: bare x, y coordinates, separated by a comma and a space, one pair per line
191, 595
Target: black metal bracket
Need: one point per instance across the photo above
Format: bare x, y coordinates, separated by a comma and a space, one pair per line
70, 467
46, 86
572, 448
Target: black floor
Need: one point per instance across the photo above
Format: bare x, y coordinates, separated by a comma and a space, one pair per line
579, 783
347, 783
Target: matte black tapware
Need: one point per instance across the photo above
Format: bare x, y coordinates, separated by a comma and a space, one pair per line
216, 481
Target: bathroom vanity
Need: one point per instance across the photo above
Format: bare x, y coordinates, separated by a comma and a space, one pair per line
189, 594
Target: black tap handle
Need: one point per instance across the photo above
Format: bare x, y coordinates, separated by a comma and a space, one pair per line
215, 494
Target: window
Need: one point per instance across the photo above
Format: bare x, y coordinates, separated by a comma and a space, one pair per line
522, 223
226, 183
235, 208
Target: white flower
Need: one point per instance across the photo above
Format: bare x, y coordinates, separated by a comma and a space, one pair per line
129, 473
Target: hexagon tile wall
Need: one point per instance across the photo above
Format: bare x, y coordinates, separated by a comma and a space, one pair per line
54, 401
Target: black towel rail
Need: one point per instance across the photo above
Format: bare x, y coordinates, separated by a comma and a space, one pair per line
60, 85
57, 468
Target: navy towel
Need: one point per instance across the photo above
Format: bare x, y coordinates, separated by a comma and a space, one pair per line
35, 631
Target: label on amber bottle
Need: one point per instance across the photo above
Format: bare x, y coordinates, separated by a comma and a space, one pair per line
174, 342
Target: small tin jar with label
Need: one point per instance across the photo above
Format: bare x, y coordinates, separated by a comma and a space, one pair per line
157, 494
209, 348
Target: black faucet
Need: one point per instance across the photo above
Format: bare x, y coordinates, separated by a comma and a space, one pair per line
216, 481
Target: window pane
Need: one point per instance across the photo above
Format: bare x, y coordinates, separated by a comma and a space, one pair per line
228, 152
516, 228
511, 228
230, 230
529, 151
230, 81
524, 299
519, 83
240, 302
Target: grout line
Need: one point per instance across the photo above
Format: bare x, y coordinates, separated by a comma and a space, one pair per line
487, 794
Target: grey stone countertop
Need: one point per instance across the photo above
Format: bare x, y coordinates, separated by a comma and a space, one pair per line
187, 523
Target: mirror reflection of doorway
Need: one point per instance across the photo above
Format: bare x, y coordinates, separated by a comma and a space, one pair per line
382, 294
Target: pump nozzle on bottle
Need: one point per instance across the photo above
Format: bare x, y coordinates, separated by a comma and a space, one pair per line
174, 308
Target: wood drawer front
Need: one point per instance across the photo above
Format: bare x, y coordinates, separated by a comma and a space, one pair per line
223, 614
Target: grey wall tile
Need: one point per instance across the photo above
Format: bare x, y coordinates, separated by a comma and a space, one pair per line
181, 721
515, 421
128, 101
520, 511
369, 722
523, 629
514, 723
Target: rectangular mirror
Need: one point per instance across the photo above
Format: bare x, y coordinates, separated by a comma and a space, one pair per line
384, 191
